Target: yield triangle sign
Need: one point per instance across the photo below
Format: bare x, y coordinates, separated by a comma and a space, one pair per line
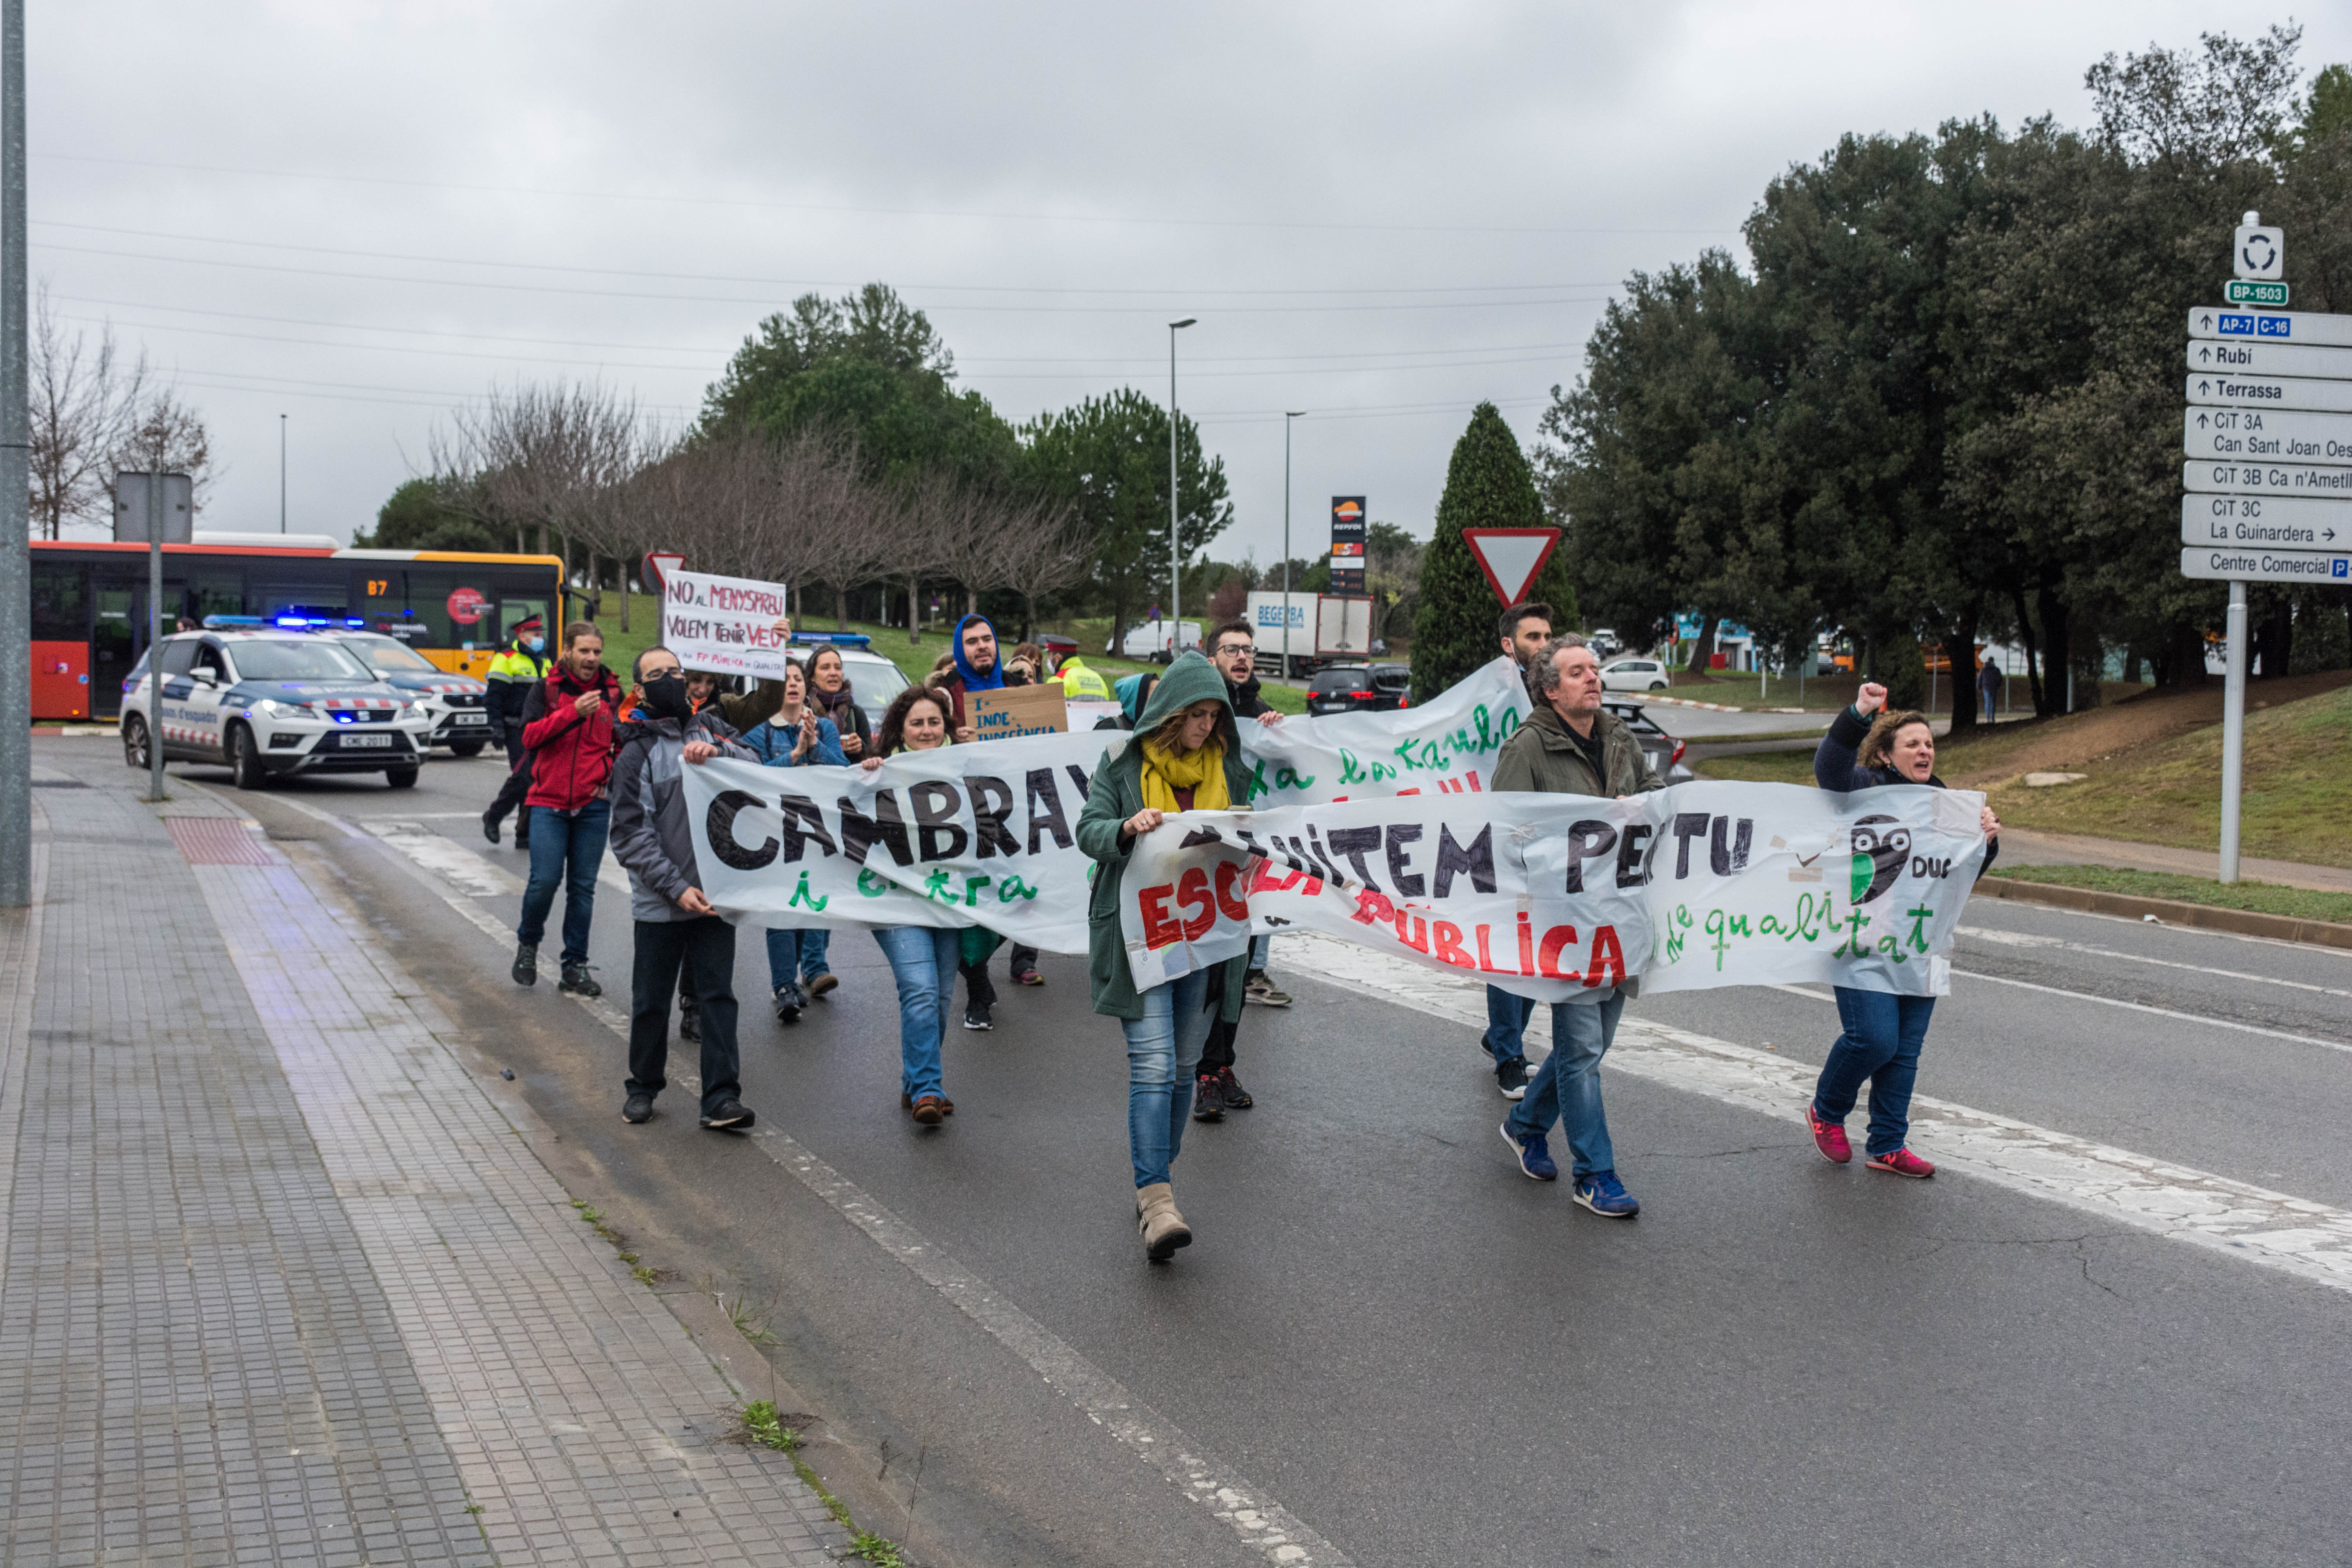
1510, 557
659, 565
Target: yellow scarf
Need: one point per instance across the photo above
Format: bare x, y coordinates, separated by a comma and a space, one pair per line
1202, 772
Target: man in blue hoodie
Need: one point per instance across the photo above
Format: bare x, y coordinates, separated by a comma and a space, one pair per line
977, 669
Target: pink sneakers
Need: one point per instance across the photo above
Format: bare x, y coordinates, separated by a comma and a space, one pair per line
1829, 1138
1901, 1163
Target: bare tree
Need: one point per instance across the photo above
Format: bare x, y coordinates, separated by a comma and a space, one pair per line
92, 413
549, 457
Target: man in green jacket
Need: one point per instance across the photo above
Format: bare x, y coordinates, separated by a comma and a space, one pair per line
1571, 745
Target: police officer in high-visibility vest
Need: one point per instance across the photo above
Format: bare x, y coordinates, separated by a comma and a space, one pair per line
1080, 684
518, 667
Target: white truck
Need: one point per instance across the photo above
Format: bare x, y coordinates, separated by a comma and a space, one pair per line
1323, 626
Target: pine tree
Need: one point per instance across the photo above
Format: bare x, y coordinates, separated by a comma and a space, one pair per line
1487, 485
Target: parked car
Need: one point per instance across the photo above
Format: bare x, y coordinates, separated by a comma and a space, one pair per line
1359, 688
1605, 644
1664, 751
1634, 675
1151, 640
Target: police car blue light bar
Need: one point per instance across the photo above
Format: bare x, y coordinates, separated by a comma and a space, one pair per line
839, 639
219, 623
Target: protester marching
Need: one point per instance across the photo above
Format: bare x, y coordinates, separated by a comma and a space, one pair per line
1509, 826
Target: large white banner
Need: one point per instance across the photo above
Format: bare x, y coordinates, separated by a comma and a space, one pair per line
985, 834
1446, 746
980, 835
724, 624
1560, 898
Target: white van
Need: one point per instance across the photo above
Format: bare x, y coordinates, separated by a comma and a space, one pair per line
1150, 640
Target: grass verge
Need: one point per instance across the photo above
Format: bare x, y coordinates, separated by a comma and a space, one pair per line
2297, 796
1793, 766
2260, 897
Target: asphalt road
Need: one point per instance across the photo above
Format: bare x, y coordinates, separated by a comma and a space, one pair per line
1425, 1357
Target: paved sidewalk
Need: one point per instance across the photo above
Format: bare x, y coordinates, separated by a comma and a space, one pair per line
2024, 847
279, 1283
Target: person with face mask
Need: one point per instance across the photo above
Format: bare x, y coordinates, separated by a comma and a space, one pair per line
1881, 1034
518, 667
1185, 755
568, 724
676, 928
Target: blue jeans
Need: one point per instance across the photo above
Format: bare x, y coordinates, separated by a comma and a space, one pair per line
566, 847
1261, 948
1881, 1043
1164, 1046
1567, 1088
1987, 693
1507, 1020
796, 957
923, 963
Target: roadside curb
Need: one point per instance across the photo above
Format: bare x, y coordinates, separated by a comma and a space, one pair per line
1647, 697
2172, 911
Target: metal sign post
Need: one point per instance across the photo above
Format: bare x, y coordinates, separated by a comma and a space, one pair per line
155, 637
15, 452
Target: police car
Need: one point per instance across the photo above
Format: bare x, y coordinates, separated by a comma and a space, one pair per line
453, 702
269, 702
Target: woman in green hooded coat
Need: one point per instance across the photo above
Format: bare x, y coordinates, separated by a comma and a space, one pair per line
1185, 757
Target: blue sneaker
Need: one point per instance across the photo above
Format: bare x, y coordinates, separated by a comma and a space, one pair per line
1605, 1196
1533, 1154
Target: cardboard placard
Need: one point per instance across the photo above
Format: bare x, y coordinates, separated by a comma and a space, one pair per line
1014, 711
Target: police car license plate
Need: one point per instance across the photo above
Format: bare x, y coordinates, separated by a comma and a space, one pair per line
469, 717
349, 741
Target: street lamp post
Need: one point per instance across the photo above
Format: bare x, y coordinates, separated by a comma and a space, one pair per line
1175, 560
1288, 414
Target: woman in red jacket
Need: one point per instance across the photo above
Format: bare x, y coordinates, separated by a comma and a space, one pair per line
568, 729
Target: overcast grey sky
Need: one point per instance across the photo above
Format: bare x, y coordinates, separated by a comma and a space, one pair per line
359, 215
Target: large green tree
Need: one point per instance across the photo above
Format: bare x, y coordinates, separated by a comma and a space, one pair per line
871, 366
1107, 457
1489, 484
418, 516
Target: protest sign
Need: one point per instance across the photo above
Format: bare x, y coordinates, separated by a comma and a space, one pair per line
1559, 898
1010, 712
1447, 744
982, 835
724, 624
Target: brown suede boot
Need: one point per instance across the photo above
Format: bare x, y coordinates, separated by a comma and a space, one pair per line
1163, 1228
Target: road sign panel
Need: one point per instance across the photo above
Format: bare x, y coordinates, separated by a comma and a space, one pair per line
2240, 291
2213, 389
2258, 250
2268, 434
2266, 478
1510, 557
2268, 358
2270, 326
2216, 564
2284, 522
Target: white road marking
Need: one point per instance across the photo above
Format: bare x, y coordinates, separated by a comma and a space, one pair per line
2161, 1012
460, 866
1808, 996
2027, 939
2236, 1219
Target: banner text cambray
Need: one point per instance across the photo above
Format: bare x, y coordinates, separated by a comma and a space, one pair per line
1557, 898
986, 834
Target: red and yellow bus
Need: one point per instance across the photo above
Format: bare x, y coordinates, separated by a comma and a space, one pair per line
90, 620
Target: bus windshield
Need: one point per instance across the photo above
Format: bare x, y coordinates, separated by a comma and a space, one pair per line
292, 660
